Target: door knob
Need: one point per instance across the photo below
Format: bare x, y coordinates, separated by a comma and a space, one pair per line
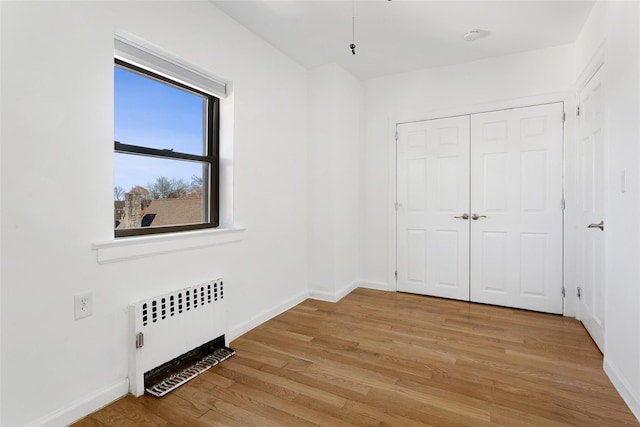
600, 226
475, 216
463, 216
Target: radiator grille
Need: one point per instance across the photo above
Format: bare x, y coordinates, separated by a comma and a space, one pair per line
164, 307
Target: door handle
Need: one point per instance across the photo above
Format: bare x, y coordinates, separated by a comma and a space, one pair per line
475, 216
463, 216
600, 226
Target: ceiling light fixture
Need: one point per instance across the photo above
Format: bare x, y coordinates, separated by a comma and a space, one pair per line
474, 35
352, 46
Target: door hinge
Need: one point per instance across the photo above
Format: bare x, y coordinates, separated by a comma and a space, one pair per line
579, 292
396, 205
578, 110
564, 293
564, 117
139, 340
563, 204
395, 274
396, 136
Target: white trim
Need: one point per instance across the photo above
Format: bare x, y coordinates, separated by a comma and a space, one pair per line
377, 286
335, 296
133, 49
570, 216
591, 68
0, 228
124, 249
485, 107
84, 406
260, 318
393, 198
625, 390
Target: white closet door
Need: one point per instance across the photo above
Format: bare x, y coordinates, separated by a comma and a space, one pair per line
591, 257
516, 188
433, 196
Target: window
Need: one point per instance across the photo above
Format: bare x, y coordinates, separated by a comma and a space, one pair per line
166, 154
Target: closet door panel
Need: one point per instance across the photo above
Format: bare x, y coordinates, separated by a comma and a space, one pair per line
433, 195
516, 206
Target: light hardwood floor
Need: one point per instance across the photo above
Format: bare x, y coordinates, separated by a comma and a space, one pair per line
380, 358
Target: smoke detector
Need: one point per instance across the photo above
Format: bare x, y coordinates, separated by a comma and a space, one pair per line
474, 35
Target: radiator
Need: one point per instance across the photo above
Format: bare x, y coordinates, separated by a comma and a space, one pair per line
167, 326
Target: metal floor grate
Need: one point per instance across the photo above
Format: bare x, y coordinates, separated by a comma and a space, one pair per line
176, 380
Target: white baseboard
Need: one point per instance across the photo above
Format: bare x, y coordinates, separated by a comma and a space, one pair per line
379, 286
335, 296
82, 407
620, 383
260, 318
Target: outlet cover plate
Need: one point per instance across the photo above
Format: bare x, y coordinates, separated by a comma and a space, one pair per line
83, 305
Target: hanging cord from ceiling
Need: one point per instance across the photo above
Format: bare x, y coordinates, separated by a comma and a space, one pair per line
352, 46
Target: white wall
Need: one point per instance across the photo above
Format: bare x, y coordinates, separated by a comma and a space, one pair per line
0, 220
514, 80
334, 181
614, 26
57, 189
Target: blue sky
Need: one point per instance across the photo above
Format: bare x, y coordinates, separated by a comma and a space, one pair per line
153, 114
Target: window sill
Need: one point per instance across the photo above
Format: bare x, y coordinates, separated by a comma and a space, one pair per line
128, 248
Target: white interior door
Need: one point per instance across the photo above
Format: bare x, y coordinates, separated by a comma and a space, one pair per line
433, 198
591, 257
516, 203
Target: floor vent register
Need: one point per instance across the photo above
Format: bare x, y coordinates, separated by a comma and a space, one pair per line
182, 369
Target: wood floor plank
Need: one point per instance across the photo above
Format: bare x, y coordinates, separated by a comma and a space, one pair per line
128, 412
393, 359
175, 409
217, 419
89, 422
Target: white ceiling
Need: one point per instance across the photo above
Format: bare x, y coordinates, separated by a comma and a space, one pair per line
404, 35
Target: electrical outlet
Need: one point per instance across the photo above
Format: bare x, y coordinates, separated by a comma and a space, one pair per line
83, 305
